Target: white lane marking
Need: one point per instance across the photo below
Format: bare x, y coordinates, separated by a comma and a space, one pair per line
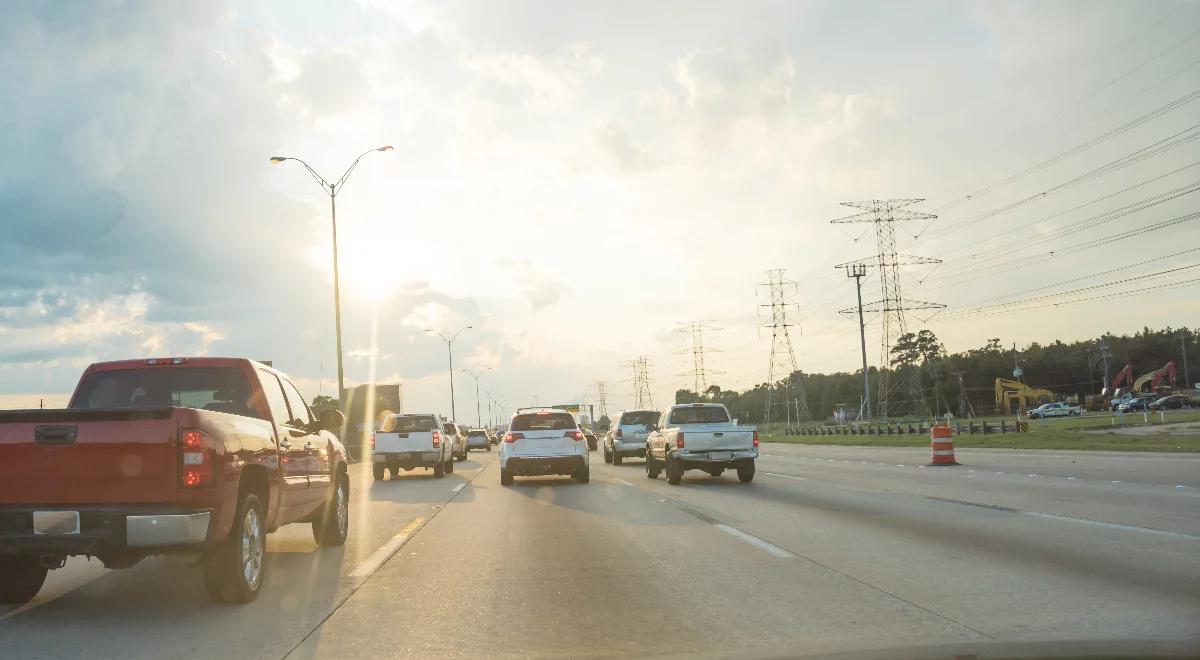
458, 487
1100, 523
765, 546
388, 549
1182, 487
785, 476
620, 480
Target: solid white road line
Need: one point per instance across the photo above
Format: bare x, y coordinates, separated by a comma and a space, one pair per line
785, 476
1108, 525
388, 549
765, 546
458, 487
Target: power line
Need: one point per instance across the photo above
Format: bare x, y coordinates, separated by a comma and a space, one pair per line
1166, 144
987, 188
1004, 267
1086, 223
602, 397
987, 308
1084, 205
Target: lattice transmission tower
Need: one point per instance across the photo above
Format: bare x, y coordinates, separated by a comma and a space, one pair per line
602, 397
781, 348
642, 398
698, 373
885, 214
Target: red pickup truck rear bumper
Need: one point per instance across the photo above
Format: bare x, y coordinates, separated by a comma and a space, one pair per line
103, 530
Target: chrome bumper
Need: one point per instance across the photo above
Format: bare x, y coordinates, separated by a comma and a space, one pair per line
172, 529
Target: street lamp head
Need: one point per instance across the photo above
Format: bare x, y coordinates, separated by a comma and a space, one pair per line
278, 159
386, 147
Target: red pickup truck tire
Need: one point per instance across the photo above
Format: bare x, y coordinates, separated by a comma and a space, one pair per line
233, 571
21, 577
333, 525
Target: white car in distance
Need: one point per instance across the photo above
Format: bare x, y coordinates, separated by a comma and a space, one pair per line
543, 441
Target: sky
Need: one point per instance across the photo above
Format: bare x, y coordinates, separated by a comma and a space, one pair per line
575, 180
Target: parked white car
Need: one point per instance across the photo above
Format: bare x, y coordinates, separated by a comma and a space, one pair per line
628, 436
700, 436
1054, 410
408, 442
542, 441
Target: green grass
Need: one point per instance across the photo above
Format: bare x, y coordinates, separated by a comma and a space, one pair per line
1086, 433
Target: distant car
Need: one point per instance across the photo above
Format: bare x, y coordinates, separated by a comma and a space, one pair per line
478, 439
1138, 404
542, 441
456, 438
591, 439
1054, 410
492, 437
627, 437
1173, 402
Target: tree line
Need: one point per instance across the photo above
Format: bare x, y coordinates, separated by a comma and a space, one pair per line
964, 383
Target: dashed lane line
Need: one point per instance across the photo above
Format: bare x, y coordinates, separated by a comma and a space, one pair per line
388, 549
765, 546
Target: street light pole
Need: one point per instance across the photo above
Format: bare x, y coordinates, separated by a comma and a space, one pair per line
450, 353
478, 417
859, 271
332, 189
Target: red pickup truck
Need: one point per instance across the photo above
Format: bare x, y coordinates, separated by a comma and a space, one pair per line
168, 455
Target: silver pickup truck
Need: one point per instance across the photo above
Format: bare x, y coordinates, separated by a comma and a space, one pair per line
700, 436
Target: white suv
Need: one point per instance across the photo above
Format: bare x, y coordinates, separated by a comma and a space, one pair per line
543, 441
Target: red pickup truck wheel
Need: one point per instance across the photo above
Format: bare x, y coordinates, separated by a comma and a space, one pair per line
332, 527
21, 577
233, 571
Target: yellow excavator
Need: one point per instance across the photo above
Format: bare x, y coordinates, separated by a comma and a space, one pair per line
1013, 394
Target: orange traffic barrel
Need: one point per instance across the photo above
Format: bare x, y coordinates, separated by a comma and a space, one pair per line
942, 446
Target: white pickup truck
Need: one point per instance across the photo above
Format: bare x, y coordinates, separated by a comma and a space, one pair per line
1054, 410
700, 436
411, 441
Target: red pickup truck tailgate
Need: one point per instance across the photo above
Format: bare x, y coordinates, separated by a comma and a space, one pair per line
87, 456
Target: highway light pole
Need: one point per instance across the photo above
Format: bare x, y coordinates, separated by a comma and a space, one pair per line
478, 417
450, 353
332, 189
859, 271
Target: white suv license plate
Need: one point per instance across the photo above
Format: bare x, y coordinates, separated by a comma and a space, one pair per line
56, 523
720, 455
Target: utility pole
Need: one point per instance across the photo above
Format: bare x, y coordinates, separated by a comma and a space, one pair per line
698, 373
1105, 354
1183, 349
781, 345
859, 271
965, 409
885, 214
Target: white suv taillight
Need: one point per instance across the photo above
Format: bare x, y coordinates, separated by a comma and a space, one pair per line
577, 435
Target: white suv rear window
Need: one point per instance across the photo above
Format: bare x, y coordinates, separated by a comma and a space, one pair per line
543, 422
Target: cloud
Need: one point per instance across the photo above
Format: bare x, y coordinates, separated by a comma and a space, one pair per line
546, 82
535, 286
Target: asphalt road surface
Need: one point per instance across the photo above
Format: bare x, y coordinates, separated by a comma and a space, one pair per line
838, 551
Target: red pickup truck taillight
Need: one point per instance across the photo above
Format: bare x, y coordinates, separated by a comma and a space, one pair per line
437, 439
372, 440
679, 440
196, 459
